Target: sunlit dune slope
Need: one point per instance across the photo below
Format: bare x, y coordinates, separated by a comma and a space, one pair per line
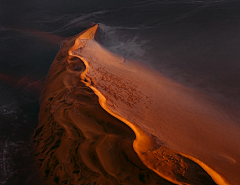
105, 120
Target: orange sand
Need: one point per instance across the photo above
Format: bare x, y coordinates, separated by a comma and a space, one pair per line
89, 96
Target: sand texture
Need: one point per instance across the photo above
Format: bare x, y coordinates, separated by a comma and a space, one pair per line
107, 120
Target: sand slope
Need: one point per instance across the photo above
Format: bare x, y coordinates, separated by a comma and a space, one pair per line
91, 100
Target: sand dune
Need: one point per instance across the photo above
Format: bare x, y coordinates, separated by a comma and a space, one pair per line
105, 120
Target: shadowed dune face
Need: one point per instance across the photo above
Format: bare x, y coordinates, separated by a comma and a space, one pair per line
83, 138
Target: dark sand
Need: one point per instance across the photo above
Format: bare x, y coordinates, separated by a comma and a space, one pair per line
119, 123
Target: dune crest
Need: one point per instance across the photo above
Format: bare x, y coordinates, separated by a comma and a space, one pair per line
78, 142
90, 95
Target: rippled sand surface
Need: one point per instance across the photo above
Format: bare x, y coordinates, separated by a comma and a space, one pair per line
105, 120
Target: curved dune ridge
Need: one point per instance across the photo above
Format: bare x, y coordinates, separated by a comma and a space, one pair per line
105, 120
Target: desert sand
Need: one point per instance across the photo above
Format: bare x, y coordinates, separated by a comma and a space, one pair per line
106, 120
